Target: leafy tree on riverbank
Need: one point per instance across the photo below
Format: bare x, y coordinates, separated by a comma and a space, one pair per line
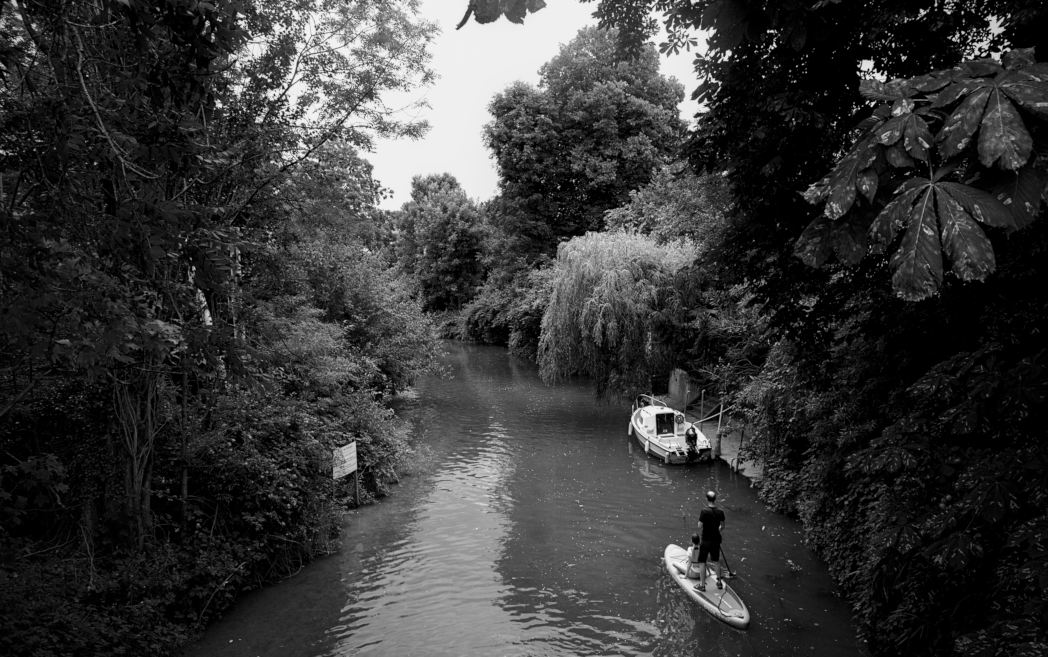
596, 128
151, 163
508, 310
906, 435
945, 457
888, 426
675, 205
439, 235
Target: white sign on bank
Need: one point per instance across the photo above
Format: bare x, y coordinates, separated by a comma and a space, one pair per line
344, 460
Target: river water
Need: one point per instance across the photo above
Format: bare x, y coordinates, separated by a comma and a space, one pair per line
530, 524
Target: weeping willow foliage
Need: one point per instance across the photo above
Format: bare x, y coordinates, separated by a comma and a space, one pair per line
619, 301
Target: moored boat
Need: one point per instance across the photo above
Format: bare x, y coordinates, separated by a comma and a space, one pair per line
665, 433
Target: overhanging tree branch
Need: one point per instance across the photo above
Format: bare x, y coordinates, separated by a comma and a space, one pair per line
117, 151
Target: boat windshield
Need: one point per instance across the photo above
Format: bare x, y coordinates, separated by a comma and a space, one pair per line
664, 423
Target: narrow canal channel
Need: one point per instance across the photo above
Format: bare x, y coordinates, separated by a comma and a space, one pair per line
530, 524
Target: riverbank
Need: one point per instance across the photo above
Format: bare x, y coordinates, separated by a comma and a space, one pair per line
727, 442
532, 524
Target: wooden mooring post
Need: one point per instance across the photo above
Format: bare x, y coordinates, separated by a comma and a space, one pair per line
717, 442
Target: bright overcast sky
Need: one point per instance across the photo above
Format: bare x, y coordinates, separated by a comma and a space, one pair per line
473, 64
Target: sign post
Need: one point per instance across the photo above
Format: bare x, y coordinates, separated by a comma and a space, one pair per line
344, 462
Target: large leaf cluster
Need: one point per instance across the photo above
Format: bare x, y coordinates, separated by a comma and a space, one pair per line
488, 11
777, 82
968, 127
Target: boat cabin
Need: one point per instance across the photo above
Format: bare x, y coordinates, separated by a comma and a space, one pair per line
664, 423
658, 417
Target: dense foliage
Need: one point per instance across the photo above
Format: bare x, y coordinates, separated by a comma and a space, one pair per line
896, 409
619, 305
508, 310
191, 319
598, 127
994, 180
675, 205
594, 130
439, 237
894, 430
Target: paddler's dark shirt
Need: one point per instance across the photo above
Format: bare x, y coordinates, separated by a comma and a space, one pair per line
711, 520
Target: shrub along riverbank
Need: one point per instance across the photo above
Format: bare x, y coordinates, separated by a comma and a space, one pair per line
193, 310
238, 486
261, 503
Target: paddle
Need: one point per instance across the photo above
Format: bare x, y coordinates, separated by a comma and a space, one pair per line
731, 573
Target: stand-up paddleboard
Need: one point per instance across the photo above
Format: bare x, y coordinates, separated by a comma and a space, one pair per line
724, 604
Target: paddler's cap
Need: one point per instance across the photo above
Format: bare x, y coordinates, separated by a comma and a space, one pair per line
711, 495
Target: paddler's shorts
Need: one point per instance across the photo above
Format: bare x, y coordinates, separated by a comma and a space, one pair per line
711, 550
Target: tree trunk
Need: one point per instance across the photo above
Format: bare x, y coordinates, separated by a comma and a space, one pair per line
145, 512
184, 453
136, 402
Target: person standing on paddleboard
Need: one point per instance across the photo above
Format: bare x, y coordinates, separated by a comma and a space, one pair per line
711, 520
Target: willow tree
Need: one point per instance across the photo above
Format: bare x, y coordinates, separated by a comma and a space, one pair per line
617, 311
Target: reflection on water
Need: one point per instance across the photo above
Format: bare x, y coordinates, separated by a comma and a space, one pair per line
531, 526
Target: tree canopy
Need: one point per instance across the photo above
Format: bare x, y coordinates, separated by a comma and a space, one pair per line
905, 434
164, 160
875, 416
191, 319
439, 236
676, 204
596, 128
780, 82
939, 214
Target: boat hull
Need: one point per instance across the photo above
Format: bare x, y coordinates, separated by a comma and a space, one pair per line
723, 604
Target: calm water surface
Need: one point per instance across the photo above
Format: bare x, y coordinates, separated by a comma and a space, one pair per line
531, 525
